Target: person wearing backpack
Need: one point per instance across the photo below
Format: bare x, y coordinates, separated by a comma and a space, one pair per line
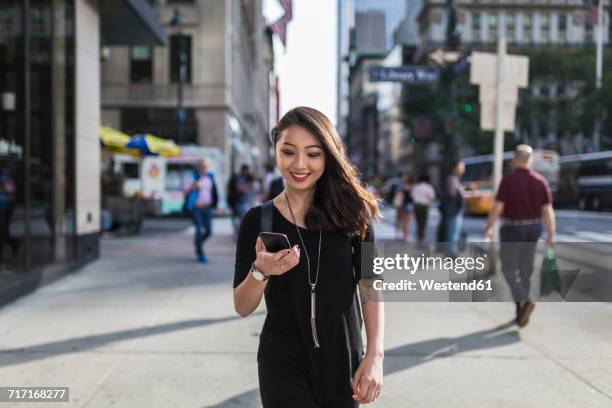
310, 348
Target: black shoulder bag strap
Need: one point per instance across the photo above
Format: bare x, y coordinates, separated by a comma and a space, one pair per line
266, 216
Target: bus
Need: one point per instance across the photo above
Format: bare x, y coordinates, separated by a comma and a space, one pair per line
585, 181
478, 177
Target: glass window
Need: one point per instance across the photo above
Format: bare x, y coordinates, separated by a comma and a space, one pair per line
180, 58
476, 21
562, 22
545, 22
130, 170
161, 122
178, 176
39, 200
141, 64
544, 27
492, 22
510, 24
527, 28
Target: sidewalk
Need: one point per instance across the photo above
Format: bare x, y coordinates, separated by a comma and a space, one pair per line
147, 326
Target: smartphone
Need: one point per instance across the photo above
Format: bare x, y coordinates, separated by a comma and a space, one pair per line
274, 241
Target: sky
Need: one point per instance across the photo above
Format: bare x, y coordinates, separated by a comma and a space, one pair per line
307, 68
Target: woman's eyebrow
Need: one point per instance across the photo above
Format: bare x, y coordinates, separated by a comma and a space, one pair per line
291, 144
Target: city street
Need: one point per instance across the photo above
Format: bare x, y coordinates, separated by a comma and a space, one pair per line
117, 118
147, 326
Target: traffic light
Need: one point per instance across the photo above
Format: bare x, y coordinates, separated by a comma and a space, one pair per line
468, 107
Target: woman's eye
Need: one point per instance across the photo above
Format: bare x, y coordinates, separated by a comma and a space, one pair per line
314, 154
287, 152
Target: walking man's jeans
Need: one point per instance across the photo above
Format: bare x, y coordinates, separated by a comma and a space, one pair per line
453, 231
202, 220
518, 245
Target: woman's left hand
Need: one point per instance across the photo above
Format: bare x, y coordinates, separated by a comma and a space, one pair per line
368, 380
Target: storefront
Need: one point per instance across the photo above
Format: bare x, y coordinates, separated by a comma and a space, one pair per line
49, 120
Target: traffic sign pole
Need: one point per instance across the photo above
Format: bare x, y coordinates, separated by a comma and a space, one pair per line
498, 148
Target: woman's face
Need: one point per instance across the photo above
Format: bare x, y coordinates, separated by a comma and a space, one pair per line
300, 158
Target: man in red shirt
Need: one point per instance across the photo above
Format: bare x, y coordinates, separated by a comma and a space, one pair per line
524, 199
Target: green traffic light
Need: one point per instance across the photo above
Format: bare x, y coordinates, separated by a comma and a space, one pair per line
468, 108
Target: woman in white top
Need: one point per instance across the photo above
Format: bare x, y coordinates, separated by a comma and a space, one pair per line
423, 195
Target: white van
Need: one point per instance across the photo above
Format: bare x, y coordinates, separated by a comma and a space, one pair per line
161, 181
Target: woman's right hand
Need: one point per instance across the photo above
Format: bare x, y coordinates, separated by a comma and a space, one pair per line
275, 263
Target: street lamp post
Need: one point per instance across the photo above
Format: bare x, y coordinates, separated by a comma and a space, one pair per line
451, 151
177, 22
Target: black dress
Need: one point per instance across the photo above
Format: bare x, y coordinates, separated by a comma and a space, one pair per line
292, 373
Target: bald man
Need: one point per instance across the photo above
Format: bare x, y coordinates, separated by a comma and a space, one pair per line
524, 200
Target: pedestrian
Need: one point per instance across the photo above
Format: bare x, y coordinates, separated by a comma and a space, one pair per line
202, 198
313, 356
407, 205
8, 192
396, 201
240, 189
452, 207
423, 195
523, 199
273, 183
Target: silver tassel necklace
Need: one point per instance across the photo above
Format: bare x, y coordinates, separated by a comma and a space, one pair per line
313, 285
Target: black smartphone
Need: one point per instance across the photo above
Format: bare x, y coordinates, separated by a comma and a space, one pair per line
274, 241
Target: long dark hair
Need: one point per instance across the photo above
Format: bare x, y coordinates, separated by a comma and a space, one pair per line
341, 201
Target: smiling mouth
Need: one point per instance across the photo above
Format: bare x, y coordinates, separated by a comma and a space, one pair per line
299, 176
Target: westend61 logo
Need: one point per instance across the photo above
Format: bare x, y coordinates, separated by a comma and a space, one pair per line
413, 264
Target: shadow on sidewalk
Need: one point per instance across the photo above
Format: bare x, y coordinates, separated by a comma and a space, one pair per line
418, 353
248, 399
42, 351
424, 351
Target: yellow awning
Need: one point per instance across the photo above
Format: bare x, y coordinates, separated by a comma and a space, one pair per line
113, 138
151, 144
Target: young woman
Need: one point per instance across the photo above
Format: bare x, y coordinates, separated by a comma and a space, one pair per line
308, 359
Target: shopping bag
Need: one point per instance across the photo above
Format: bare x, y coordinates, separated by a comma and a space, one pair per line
550, 279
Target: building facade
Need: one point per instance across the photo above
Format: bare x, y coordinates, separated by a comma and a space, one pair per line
49, 121
566, 25
373, 33
393, 12
562, 23
225, 94
362, 138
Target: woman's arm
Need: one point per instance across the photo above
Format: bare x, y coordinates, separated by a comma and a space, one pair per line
373, 319
368, 380
248, 294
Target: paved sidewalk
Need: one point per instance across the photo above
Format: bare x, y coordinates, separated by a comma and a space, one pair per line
146, 326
